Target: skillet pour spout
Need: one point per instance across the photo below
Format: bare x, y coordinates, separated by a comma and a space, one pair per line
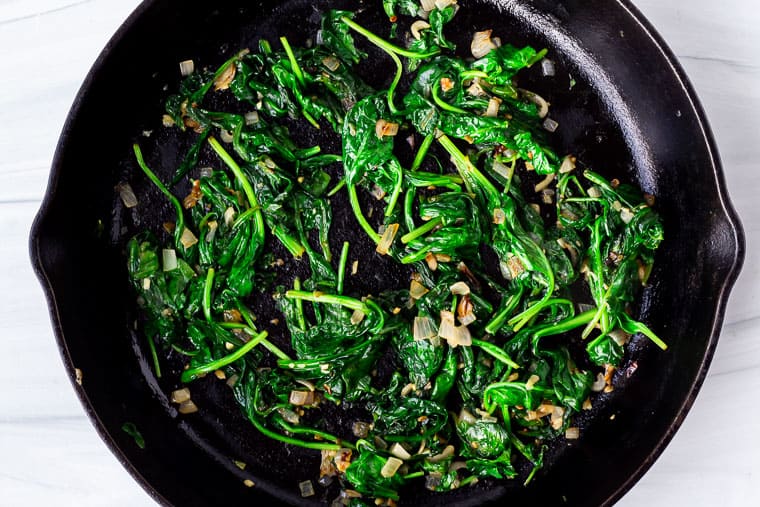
630, 110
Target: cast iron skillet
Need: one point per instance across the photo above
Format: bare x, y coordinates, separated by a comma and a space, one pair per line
632, 114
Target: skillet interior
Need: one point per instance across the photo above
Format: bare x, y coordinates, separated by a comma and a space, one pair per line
631, 115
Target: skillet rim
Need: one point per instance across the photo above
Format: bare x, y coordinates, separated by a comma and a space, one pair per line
737, 261
658, 45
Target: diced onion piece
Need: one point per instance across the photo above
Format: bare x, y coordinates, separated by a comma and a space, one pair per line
186, 67
360, 429
398, 450
222, 82
460, 288
408, 389
417, 27
188, 239
167, 121
288, 415
442, 4
532, 381
180, 395
626, 215
443, 257
194, 196
307, 488
331, 63
446, 328
547, 196
543, 410
453, 334
547, 68
251, 118
446, 84
599, 383
467, 319
213, 225
169, 257
226, 136
465, 311
485, 416
431, 261
308, 385
594, 192
587, 404
620, 336
354, 267
127, 195
424, 328
417, 290
447, 452
609, 371
385, 128
387, 239
568, 165
572, 433
350, 493
357, 317
249, 483
327, 465
557, 418
232, 380
515, 266
466, 417
545, 182
146, 283
232, 315
616, 205
229, 216
475, 89
550, 124
482, 44
187, 407
493, 107
300, 398
377, 192
391, 467
538, 100
427, 5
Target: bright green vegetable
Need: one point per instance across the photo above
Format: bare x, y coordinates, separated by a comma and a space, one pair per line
487, 320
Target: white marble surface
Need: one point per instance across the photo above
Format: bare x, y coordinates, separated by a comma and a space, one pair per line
50, 453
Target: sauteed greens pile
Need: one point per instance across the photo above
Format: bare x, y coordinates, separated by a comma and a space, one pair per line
519, 268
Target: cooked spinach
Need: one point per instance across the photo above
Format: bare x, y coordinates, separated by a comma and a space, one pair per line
489, 324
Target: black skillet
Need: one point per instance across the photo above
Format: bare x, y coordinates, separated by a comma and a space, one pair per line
631, 114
